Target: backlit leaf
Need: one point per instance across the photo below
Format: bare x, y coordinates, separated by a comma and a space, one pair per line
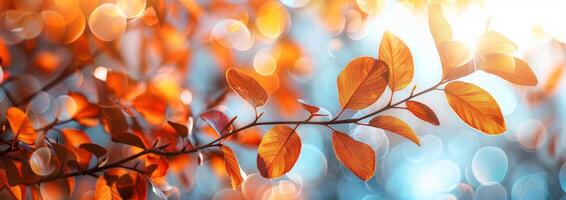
87, 113
493, 42
21, 125
439, 27
475, 107
278, 151
73, 140
398, 58
232, 167
395, 125
182, 130
499, 65
218, 121
362, 82
454, 56
423, 112
356, 156
247, 87
151, 106
104, 191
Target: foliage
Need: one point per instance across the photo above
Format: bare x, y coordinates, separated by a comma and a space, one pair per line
134, 111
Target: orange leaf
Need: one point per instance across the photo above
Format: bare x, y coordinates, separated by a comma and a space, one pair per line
14, 191
398, 58
182, 130
232, 167
520, 74
218, 121
105, 191
423, 112
247, 87
151, 106
362, 82
439, 27
309, 108
356, 156
493, 42
95, 149
395, 125
21, 126
129, 139
87, 113
73, 139
278, 151
454, 56
475, 107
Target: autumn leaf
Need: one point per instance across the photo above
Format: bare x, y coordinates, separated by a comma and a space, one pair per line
356, 156
423, 112
278, 151
509, 68
74, 138
16, 192
493, 42
475, 107
308, 107
95, 149
104, 191
182, 130
439, 27
21, 126
395, 125
218, 121
362, 82
398, 58
232, 166
247, 87
454, 57
129, 139
151, 106
87, 113
12, 172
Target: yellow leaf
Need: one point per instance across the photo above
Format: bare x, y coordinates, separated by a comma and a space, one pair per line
356, 156
423, 112
439, 27
247, 87
475, 107
395, 125
454, 56
21, 126
498, 62
520, 75
232, 167
398, 58
362, 82
493, 42
278, 151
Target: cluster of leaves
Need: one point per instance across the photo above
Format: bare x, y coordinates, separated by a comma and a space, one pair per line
48, 167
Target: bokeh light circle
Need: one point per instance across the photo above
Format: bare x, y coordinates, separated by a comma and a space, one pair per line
311, 166
107, 22
132, 8
531, 134
489, 165
232, 33
375, 138
490, 192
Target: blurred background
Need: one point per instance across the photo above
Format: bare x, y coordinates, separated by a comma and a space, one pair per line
296, 49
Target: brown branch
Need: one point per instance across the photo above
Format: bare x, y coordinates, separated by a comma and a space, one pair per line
216, 142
